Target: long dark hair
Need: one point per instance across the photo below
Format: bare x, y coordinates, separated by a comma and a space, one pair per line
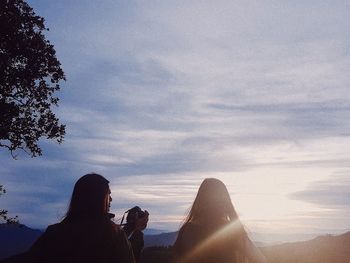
88, 198
213, 214
212, 201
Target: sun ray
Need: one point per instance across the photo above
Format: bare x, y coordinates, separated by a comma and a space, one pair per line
221, 237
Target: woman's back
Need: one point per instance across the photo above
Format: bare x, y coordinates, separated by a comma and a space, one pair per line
206, 244
98, 240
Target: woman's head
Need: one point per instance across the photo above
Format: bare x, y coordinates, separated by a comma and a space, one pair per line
212, 202
90, 197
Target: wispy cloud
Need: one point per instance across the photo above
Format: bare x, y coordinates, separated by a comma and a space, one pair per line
332, 193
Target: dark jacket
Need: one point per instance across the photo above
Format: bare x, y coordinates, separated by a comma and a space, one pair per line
98, 240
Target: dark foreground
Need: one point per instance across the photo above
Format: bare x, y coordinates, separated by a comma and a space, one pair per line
324, 249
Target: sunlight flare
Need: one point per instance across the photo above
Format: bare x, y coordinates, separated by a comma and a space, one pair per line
217, 239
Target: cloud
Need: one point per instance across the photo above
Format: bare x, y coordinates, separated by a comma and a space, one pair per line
332, 193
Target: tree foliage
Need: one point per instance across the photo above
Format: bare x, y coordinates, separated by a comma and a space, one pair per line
3, 213
30, 74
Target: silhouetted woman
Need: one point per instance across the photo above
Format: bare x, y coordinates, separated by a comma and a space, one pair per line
136, 222
212, 231
86, 234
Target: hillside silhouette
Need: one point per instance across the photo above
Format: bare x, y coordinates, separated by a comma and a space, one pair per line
323, 249
16, 239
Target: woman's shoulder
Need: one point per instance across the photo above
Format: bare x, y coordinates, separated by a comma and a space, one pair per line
190, 227
115, 226
189, 232
55, 228
118, 229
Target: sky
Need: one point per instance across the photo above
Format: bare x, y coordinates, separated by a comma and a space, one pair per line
162, 94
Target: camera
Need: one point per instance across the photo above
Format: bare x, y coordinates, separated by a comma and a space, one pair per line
134, 214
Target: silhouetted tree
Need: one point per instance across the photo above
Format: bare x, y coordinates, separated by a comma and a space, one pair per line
29, 75
3, 213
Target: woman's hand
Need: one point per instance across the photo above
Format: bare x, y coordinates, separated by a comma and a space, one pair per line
141, 223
